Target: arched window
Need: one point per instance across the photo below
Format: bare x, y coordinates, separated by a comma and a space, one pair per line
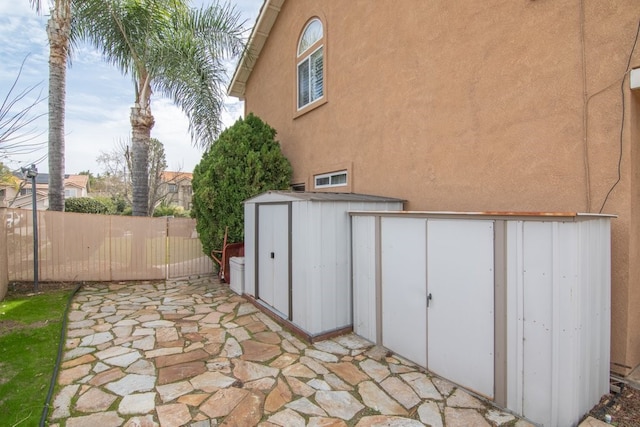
310, 64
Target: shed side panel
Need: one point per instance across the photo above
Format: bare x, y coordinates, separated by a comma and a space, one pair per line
250, 249
364, 276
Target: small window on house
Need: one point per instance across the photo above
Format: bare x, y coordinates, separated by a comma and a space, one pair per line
3, 194
25, 191
334, 179
173, 188
297, 187
310, 64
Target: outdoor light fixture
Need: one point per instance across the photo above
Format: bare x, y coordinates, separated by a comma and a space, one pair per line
31, 172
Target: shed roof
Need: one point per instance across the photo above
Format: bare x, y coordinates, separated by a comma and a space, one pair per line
273, 196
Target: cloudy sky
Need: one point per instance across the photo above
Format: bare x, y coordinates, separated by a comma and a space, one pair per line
98, 96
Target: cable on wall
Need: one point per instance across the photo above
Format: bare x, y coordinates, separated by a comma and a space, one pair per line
624, 78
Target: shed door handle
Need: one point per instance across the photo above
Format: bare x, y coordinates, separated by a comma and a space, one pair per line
429, 298
273, 255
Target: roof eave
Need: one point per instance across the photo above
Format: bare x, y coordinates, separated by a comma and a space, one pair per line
267, 17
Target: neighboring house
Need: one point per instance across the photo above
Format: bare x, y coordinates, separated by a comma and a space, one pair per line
76, 186
463, 106
175, 188
18, 193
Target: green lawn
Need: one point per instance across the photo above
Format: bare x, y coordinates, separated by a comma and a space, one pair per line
29, 335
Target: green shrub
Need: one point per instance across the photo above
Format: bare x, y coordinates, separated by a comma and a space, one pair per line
170, 210
243, 162
108, 202
87, 205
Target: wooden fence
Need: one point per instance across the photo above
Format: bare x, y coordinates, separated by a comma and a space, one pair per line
88, 247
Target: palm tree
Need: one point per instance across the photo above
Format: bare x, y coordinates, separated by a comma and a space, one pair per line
169, 48
58, 30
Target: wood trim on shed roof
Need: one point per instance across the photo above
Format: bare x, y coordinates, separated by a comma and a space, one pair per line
267, 17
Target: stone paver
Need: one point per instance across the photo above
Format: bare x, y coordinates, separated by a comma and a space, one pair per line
192, 353
141, 403
95, 400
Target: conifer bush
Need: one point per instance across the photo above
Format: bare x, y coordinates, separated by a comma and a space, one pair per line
243, 162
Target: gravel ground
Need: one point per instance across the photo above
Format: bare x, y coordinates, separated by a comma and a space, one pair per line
623, 407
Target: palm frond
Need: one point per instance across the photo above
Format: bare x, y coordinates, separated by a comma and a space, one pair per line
190, 69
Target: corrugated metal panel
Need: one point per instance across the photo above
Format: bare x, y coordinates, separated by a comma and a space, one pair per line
321, 266
303, 256
515, 315
558, 309
250, 249
538, 322
594, 313
364, 276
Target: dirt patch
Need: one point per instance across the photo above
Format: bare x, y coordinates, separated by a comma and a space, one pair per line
8, 326
623, 407
27, 288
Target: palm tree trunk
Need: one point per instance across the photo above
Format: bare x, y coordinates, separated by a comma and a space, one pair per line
141, 123
58, 29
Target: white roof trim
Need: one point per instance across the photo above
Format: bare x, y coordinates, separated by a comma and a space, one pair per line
268, 14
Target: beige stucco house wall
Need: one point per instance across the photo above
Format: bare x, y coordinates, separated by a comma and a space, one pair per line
468, 106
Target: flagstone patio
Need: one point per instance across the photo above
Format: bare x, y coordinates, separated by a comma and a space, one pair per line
193, 353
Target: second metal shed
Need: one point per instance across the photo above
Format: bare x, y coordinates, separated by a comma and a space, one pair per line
514, 306
298, 255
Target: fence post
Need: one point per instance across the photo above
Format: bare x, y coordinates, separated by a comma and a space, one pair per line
167, 258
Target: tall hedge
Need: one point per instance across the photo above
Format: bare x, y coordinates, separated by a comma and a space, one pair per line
243, 162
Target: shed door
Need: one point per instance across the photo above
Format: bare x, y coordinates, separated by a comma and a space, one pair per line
273, 257
404, 308
460, 281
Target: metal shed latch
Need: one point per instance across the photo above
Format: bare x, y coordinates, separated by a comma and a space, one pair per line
273, 255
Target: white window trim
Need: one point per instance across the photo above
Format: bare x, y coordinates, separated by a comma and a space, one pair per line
307, 58
300, 53
331, 175
304, 59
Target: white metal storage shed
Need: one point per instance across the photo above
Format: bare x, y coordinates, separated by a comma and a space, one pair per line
298, 255
513, 306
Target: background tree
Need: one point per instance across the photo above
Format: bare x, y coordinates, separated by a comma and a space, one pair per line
117, 164
17, 115
7, 178
244, 161
114, 179
170, 49
157, 166
58, 31
165, 209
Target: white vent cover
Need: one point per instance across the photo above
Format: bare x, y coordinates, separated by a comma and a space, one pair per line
635, 78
